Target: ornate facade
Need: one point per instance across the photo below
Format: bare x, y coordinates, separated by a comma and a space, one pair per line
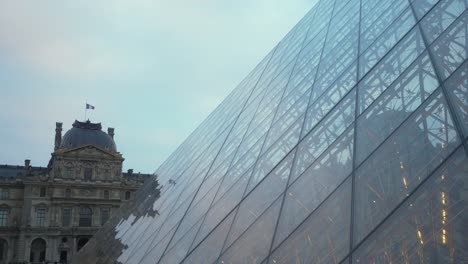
48, 213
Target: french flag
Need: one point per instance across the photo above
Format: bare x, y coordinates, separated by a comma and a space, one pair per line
88, 106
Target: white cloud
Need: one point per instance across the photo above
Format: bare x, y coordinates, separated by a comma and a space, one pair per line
48, 43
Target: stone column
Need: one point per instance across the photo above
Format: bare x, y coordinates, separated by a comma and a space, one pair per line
58, 135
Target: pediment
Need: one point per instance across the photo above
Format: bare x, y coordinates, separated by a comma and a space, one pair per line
90, 151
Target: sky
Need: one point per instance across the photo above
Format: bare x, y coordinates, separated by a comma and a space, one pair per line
154, 69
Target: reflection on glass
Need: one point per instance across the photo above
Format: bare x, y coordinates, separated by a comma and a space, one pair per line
411, 89
451, 48
315, 184
253, 245
402, 163
457, 87
351, 93
324, 236
430, 227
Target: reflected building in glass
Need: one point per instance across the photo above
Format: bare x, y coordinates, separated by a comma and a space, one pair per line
346, 144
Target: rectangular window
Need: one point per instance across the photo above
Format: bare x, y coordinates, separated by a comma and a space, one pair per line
3, 217
68, 172
42, 192
86, 216
40, 216
4, 194
106, 194
66, 217
105, 214
88, 174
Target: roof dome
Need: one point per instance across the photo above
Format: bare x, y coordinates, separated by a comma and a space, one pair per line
87, 133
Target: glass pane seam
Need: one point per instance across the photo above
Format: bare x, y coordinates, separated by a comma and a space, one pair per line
356, 116
274, 116
301, 132
383, 32
439, 75
271, 125
310, 214
395, 82
409, 196
212, 162
396, 129
249, 226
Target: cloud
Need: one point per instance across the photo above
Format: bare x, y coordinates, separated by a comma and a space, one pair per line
44, 41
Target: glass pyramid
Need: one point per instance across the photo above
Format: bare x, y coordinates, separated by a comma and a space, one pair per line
346, 144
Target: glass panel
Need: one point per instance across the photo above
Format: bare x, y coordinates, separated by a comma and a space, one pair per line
393, 65
147, 255
386, 41
421, 7
451, 48
378, 19
315, 184
430, 227
262, 197
241, 169
222, 207
277, 152
324, 236
254, 244
401, 163
443, 14
457, 87
327, 131
208, 251
179, 250
394, 105
327, 100
194, 214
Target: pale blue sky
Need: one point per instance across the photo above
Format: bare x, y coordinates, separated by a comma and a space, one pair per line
154, 69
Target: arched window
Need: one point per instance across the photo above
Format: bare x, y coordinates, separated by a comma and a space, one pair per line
3, 250
128, 195
106, 194
86, 216
38, 250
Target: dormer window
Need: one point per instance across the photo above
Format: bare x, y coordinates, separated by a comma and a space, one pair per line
88, 174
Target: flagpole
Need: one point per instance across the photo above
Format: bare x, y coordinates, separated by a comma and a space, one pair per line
86, 111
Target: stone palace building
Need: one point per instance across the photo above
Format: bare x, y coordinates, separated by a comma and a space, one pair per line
48, 213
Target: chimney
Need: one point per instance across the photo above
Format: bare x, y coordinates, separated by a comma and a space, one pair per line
110, 131
27, 163
58, 135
